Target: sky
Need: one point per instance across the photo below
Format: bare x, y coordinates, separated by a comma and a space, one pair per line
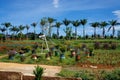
28, 11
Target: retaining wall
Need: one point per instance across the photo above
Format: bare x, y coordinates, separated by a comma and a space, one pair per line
4, 75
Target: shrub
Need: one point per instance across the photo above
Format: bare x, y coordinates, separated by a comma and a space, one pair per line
113, 46
105, 46
83, 46
38, 72
97, 45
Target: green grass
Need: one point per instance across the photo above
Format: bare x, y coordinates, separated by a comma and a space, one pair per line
91, 74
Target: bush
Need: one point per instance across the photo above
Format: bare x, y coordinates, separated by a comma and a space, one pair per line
105, 46
97, 45
83, 46
113, 46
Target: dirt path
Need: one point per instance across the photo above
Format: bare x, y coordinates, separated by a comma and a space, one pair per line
27, 69
3, 56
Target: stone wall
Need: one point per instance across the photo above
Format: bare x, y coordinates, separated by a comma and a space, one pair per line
19, 76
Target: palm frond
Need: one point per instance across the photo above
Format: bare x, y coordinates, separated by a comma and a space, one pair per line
109, 28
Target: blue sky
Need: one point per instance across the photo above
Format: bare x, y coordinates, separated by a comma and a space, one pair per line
28, 11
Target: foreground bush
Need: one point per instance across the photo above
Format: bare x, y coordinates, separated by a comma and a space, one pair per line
38, 73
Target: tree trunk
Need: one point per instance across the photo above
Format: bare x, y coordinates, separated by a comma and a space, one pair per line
76, 33
95, 32
57, 32
83, 32
113, 31
103, 32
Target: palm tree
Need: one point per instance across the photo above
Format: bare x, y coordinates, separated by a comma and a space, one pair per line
7, 25
42, 23
3, 32
66, 23
76, 24
103, 25
112, 24
50, 20
34, 25
13, 29
57, 25
21, 28
27, 27
83, 22
94, 25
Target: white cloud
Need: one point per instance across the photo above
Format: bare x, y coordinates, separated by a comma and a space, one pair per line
117, 13
117, 28
56, 3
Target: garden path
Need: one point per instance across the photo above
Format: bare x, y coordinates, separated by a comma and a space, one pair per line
27, 69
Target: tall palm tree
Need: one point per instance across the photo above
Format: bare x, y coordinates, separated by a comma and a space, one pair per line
76, 24
34, 24
103, 25
66, 23
13, 29
42, 23
50, 20
95, 25
83, 22
27, 27
6, 25
3, 32
57, 25
21, 28
112, 24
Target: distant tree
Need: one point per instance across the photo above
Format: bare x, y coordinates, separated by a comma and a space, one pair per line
27, 27
6, 25
118, 34
57, 25
3, 32
21, 28
50, 20
68, 31
34, 25
66, 23
76, 24
83, 22
103, 25
94, 25
13, 29
42, 23
112, 24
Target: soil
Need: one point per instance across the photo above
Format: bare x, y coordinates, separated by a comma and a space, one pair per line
27, 69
